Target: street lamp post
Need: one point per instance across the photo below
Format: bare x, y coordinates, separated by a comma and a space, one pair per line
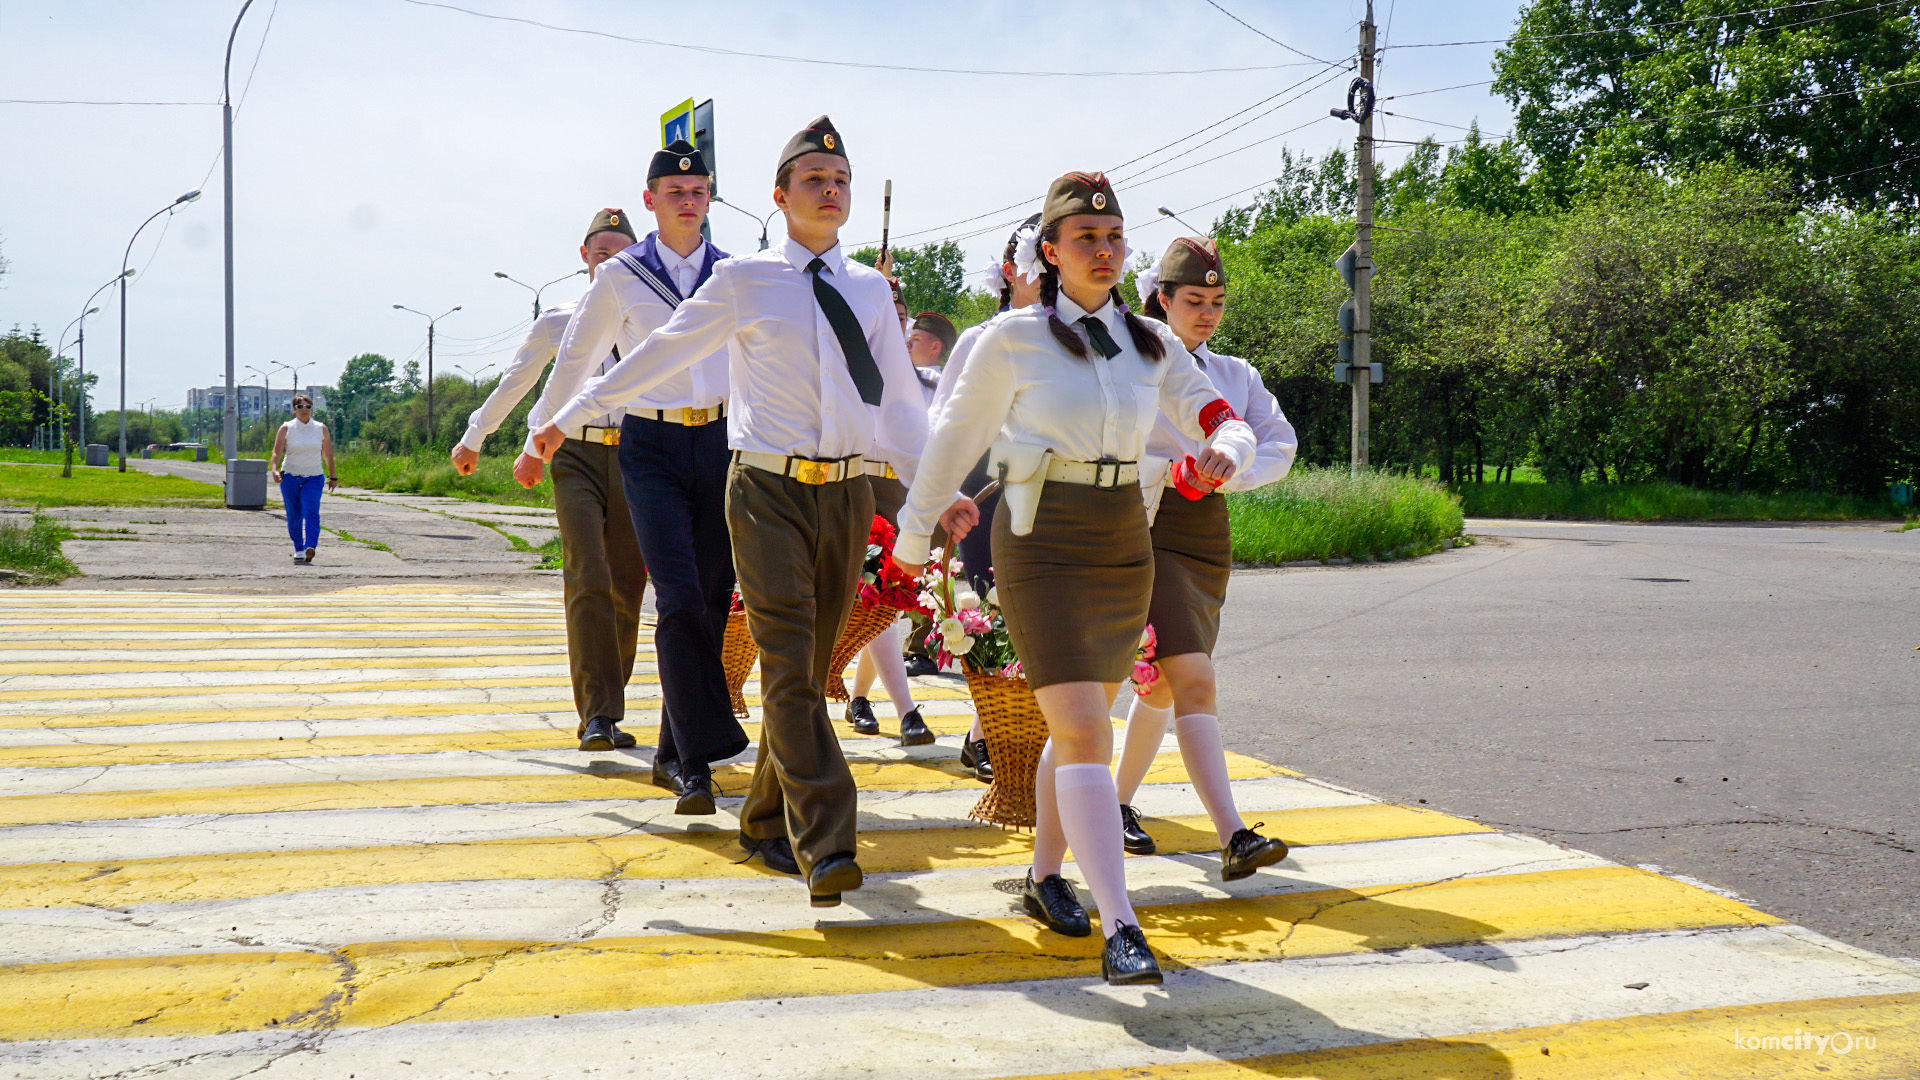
167, 209
294, 370
765, 223
56, 389
230, 418
541, 289
80, 423
1164, 212
431, 321
266, 404
473, 376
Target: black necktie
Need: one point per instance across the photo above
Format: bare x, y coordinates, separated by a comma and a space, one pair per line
1102, 341
860, 365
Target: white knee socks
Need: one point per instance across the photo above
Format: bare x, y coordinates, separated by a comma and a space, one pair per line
883, 654
1049, 843
1146, 726
1206, 761
1090, 818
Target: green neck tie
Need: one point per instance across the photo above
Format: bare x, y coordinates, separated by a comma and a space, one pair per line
1102, 341
860, 365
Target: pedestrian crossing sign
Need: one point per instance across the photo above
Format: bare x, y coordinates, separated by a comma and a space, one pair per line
677, 123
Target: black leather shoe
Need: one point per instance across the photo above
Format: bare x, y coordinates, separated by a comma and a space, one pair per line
914, 730
921, 665
1127, 961
598, 734
777, 853
666, 774
622, 740
1132, 836
1054, 903
973, 755
696, 791
832, 876
1248, 851
860, 715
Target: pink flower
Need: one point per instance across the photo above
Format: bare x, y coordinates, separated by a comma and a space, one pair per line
976, 622
1145, 676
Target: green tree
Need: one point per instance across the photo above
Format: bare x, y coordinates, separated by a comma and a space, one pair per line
365, 386
932, 277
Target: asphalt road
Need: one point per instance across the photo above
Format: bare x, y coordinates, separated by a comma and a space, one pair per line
1738, 705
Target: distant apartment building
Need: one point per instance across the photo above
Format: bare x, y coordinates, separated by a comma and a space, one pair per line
253, 401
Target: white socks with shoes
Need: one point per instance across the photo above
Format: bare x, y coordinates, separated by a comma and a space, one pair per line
1076, 806
1206, 760
1146, 727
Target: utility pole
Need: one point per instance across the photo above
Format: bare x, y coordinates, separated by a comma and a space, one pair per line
1358, 262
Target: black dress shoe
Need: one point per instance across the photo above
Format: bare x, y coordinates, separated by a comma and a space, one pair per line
696, 791
666, 774
914, 730
921, 665
1248, 851
1127, 961
832, 876
973, 755
776, 852
622, 740
597, 735
860, 715
1132, 836
1054, 903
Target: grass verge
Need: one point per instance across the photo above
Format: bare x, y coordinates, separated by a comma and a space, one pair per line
1326, 514
1664, 502
429, 472
33, 551
41, 486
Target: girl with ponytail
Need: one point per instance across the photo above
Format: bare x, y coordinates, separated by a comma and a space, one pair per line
1066, 392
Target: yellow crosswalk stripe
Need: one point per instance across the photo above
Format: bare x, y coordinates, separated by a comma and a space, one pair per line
109, 642
658, 856
395, 982
328, 663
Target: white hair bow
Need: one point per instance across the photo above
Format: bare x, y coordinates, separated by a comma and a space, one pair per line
1026, 252
991, 279
1148, 282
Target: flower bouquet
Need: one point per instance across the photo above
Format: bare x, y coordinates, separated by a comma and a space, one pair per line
969, 627
884, 593
1146, 674
738, 655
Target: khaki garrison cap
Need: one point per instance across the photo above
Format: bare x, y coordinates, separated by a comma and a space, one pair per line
1191, 260
612, 219
1078, 193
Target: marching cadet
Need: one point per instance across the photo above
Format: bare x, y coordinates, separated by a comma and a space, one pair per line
930, 337
1192, 558
673, 467
603, 573
818, 374
1070, 389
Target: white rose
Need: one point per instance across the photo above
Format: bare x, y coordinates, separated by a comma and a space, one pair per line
967, 599
993, 596
952, 631
962, 646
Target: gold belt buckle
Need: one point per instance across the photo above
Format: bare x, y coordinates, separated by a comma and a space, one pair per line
609, 436
693, 417
811, 472
891, 475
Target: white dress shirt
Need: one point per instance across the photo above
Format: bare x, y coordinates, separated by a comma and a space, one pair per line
621, 310
522, 372
1240, 385
1021, 385
789, 391
956, 363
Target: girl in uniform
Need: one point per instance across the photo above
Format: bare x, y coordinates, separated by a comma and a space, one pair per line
1192, 556
1071, 388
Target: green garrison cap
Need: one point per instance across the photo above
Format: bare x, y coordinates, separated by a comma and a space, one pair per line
678, 159
1079, 193
612, 219
818, 137
1191, 260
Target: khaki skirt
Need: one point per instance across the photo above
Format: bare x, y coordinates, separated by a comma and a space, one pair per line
1075, 590
1192, 557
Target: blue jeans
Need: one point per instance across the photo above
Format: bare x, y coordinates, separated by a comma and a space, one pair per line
302, 497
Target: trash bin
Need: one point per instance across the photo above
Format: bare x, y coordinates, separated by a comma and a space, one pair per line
146, 453
97, 453
199, 453
246, 484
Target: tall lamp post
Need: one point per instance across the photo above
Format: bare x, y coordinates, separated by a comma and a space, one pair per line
294, 370
473, 376
765, 223
266, 403
431, 320
541, 289
80, 423
230, 417
124, 259
1164, 212
57, 392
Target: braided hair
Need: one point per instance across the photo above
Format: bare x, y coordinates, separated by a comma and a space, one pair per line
1145, 341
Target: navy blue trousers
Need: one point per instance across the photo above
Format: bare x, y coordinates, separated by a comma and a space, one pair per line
675, 478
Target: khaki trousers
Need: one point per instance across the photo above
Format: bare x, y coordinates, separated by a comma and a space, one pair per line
603, 576
797, 550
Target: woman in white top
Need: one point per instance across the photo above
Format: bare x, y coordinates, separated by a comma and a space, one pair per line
302, 458
1070, 389
1192, 558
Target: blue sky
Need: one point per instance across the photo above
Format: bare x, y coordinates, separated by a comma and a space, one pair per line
393, 152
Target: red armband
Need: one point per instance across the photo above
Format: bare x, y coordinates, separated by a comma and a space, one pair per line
1186, 480
1215, 413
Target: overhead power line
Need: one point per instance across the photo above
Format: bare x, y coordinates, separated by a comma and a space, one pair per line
46, 101
915, 69
1263, 33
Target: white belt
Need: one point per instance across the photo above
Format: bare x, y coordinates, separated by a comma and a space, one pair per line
1101, 474
805, 470
881, 468
683, 417
604, 436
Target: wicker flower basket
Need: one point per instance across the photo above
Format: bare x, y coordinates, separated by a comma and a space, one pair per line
863, 625
738, 655
1016, 731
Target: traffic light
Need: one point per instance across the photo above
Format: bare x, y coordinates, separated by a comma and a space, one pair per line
1348, 312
